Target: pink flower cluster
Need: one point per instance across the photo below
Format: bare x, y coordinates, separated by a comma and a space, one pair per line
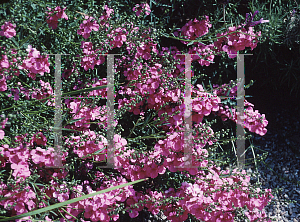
194, 29
206, 193
86, 114
45, 92
39, 139
3, 85
24, 200
35, 63
206, 53
202, 106
150, 85
140, 7
251, 119
146, 167
22, 158
106, 15
98, 92
88, 146
172, 150
15, 92
36, 93
236, 39
54, 15
6, 65
119, 37
89, 60
254, 121
87, 26
98, 207
149, 166
8, 30
139, 166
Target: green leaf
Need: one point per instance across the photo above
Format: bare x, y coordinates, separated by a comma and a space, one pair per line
75, 120
16, 43
227, 94
7, 141
58, 205
25, 40
191, 43
57, 128
98, 151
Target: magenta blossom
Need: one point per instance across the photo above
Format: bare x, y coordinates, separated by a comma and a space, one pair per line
35, 63
8, 30
138, 9
87, 26
56, 14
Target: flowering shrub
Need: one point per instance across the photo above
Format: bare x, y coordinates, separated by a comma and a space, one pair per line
29, 158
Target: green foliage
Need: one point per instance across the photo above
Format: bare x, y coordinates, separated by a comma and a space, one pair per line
275, 63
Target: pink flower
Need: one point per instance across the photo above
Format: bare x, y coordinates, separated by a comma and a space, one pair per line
119, 37
109, 11
35, 63
194, 29
3, 86
44, 92
139, 8
56, 13
3, 123
87, 26
105, 16
15, 92
2, 134
20, 170
8, 30
38, 155
4, 62
39, 138
90, 59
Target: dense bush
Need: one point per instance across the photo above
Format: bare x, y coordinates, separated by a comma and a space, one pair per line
142, 132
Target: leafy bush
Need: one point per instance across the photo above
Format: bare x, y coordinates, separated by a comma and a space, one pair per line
33, 116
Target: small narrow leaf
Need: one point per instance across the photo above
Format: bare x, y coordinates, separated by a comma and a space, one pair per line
75, 120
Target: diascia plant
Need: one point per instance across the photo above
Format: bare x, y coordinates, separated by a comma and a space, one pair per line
152, 90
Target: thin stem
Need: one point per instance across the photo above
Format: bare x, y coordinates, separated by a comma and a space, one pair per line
133, 127
296, 3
